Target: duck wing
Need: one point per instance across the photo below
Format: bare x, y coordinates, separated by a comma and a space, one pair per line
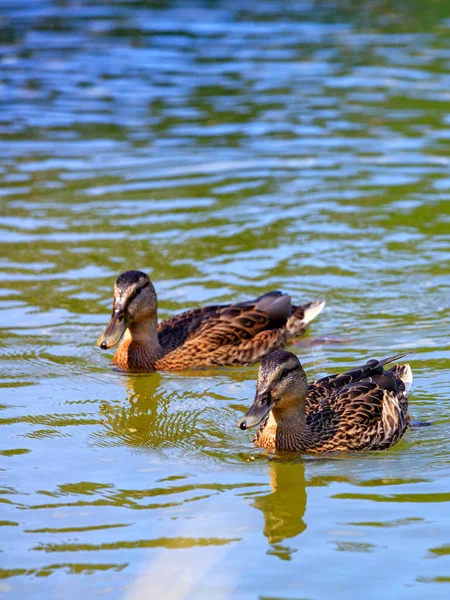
235, 334
358, 416
362, 409
173, 332
371, 371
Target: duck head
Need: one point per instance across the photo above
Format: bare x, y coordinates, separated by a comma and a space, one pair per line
282, 386
134, 304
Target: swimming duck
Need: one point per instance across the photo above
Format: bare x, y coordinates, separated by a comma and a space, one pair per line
362, 409
233, 334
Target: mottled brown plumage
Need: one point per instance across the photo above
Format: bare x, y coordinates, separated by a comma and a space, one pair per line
234, 334
363, 409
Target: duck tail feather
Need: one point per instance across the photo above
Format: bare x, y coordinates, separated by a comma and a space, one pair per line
404, 374
390, 359
312, 310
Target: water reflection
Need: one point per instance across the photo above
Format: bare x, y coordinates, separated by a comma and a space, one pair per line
284, 507
147, 418
188, 412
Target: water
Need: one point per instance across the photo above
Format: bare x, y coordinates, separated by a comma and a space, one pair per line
227, 149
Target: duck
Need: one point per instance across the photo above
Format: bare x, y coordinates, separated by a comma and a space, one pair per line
362, 409
219, 335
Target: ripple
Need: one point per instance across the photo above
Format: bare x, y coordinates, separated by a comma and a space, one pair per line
226, 150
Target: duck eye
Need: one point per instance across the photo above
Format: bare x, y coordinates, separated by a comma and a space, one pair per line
284, 372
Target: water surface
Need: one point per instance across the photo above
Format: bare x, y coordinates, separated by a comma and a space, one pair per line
226, 149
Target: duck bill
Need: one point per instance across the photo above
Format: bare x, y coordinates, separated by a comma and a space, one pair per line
114, 331
260, 408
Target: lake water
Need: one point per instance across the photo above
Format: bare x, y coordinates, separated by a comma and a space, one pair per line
227, 149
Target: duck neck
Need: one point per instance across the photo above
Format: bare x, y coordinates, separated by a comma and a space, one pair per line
140, 348
145, 332
286, 429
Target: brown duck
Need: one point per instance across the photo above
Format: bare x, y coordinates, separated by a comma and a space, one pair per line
233, 334
362, 409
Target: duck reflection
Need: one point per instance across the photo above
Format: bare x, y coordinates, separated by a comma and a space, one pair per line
152, 415
284, 507
168, 410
